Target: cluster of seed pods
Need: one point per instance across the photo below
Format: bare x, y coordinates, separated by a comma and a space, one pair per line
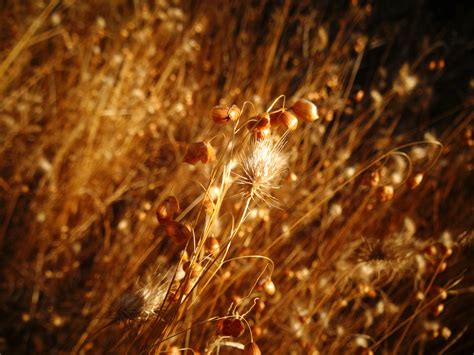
166, 213
260, 125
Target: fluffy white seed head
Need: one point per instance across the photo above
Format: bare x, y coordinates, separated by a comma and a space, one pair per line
262, 166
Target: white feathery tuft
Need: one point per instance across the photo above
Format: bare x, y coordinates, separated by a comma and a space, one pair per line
262, 167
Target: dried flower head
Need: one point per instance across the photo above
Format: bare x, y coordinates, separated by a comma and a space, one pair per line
389, 257
127, 307
262, 166
142, 303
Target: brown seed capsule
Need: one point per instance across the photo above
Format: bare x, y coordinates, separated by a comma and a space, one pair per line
178, 231
269, 287
234, 113
219, 114
224, 114
259, 122
285, 119
194, 271
440, 292
371, 293
212, 245
359, 96
252, 349
305, 110
415, 181
430, 250
446, 332
259, 306
419, 296
385, 193
445, 250
199, 151
257, 331
443, 266
374, 178
262, 133
260, 126
232, 327
167, 209
438, 309
174, 350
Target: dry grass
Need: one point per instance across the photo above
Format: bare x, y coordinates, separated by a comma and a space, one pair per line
351, 234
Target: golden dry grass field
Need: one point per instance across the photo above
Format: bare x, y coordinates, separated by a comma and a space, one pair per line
236, 177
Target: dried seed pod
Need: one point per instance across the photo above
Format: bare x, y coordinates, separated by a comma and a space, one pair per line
440, 292
212, 245
446, 332
257, 331
259, 306
374, 178
252, 349
445, 250
219, 114
260, 126
234, 113
194, 270
269, 287
178, 231
305, 110
167, 209
359, 95
385, 193
415, 181
224, 114
262, 133
443, 266
232, 327
419, 296
285, 119
431, 250
174, 350
199, 151
259, 122
438, 309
